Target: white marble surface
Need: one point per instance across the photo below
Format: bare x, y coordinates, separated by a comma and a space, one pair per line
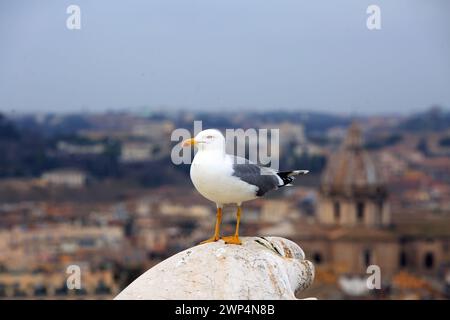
260, 268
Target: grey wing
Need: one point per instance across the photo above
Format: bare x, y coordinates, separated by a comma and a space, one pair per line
265, 179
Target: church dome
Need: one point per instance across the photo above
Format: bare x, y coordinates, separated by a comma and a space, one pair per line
351, 171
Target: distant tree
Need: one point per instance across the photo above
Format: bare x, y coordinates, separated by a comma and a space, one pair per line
444, 142
384, 142
435, 119
422, 146
8, 130
23, 151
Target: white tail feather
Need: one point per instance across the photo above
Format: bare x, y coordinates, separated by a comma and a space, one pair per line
297, 172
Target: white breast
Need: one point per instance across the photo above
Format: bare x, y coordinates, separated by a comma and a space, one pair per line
212, 176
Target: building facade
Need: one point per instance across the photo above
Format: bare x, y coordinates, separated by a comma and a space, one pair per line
355, 229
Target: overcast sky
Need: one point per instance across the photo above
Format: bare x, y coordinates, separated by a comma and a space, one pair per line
233, 54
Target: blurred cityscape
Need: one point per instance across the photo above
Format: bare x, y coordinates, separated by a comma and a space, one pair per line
99, 190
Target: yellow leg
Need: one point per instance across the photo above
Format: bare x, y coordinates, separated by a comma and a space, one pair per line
235, 238
217, 228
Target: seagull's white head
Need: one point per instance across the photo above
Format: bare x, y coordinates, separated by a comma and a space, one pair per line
207, 140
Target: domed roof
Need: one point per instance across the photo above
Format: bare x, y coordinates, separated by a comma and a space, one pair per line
351, 171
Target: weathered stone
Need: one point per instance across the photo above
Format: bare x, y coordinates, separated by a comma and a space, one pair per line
260, 268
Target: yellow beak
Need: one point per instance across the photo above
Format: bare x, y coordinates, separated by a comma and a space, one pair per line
189, 142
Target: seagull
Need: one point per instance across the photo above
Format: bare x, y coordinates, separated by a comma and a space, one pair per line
227, 179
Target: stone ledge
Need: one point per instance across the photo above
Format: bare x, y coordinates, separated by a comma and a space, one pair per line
260, 268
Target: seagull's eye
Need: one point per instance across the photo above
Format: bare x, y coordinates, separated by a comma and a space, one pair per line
209, 137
